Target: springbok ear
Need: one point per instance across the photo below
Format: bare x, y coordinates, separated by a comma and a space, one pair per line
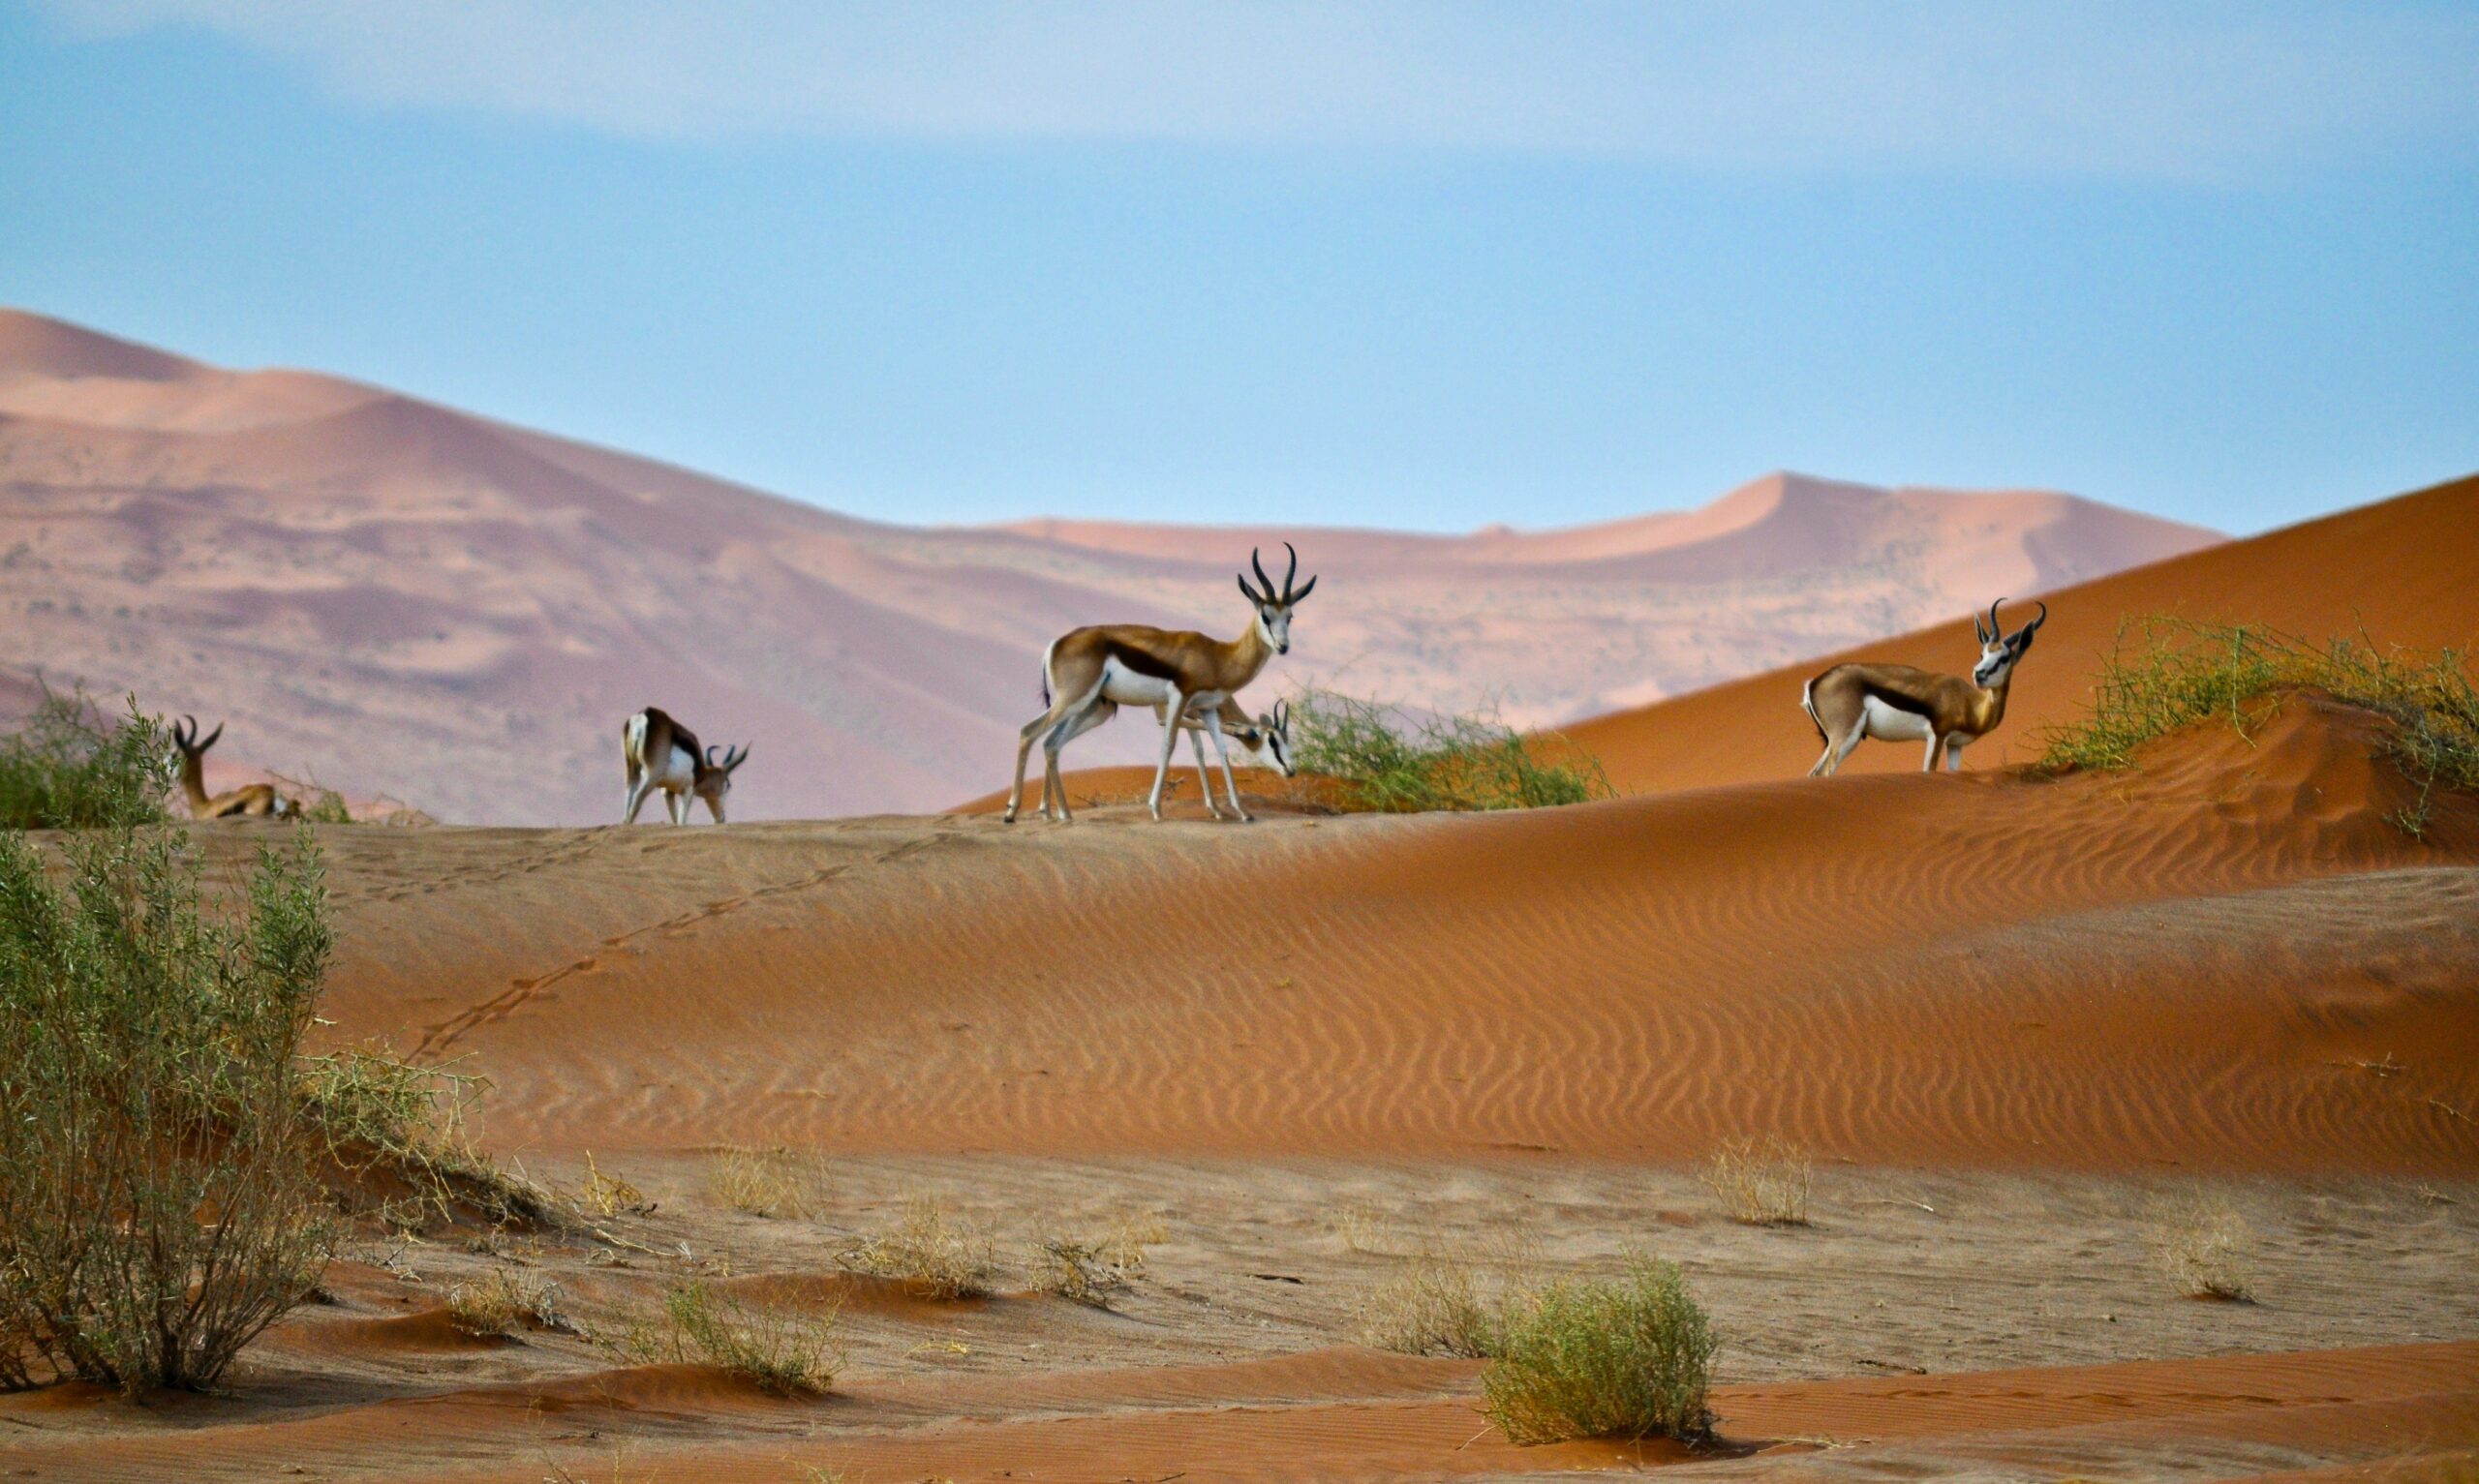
209, 739
740, 755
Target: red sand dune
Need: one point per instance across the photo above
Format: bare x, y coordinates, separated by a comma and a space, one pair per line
1356, 1414
2400, 571
2174, 968
399, 598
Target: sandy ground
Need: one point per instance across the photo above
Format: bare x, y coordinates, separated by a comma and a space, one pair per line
2016, 1022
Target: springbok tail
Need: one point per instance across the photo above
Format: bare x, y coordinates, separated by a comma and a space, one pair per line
1808, 703
632, 740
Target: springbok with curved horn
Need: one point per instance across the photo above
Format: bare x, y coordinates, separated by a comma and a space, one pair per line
250, 800
1897, 703
1265, 742
662, 754
1188, 675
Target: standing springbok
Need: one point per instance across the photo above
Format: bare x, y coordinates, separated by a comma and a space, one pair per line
1897, 703
1265, 742
1187, 674
250, 800
662, 754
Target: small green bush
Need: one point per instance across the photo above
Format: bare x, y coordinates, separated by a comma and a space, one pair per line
787, 1354
157, 1206
1632, 1359
2165, 674
1457, 763
67, 768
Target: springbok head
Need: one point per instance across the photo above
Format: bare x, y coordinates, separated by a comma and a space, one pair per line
1270, 739
1999, 649
714, 779
191, 744
1273, 611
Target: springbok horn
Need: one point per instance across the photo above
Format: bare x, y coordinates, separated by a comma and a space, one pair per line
2043, 618
710, 756
740, 755
1291, 572
1262, 581
1994, 627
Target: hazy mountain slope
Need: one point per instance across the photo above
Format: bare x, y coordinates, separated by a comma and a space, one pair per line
400, 597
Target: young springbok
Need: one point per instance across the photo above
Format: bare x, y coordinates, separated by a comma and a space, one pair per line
1187, 674
662, 754
1265, 742
1897, 703
250, 800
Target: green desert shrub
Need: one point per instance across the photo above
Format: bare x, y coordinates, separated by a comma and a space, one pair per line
2165, 674
785, 1353
1385, 763
157, 1205
1628, 1358
68, 768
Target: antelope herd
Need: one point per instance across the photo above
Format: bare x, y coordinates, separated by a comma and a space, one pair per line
1190, 682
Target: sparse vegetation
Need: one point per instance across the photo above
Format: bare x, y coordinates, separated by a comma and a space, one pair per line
782, 1183
496, 1304
1627, 1358
393, 1122
777, 1350
1385, 763
1088, 1273
157, 1205
1432, 1307
69, 769
945, 1257
1761, 1181
2206, 1247
2169, 673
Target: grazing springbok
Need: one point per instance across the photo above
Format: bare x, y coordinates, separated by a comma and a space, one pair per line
1265, 742
1896, 703
1187, 674
252, 800
662, 754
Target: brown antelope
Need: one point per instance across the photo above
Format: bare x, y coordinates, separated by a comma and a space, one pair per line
1187, 674
1265, 742
662, 754
1897, 703
249, 801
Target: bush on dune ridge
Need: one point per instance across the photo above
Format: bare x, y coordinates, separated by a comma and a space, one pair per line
1468, 762
2166, 673
157, 1205
69, 769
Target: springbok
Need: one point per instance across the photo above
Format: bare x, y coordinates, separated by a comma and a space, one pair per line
253, 801
662, 754
1187, 674
1265, 742
1897, 703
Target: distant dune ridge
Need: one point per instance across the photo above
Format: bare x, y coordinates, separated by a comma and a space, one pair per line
398, 598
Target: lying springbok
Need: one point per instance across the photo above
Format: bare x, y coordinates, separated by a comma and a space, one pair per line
1187, 674
1897, 703
662, 754
250, 800
1265, 742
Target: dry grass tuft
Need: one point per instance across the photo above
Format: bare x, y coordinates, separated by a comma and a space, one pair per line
1087, 1273
2206, 1246
1360, 1226
499, 1303
1761, 1181
778, 1352
947, 1259
386, 1121
781, 1183
1448, 1301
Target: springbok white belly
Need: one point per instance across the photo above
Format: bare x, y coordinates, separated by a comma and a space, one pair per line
1127, 687
1891, 723
676, 773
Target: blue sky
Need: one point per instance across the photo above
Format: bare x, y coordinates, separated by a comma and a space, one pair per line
1427, 264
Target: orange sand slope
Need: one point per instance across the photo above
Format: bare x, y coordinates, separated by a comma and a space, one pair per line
1360, 1415
2401, 570
2189, 967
